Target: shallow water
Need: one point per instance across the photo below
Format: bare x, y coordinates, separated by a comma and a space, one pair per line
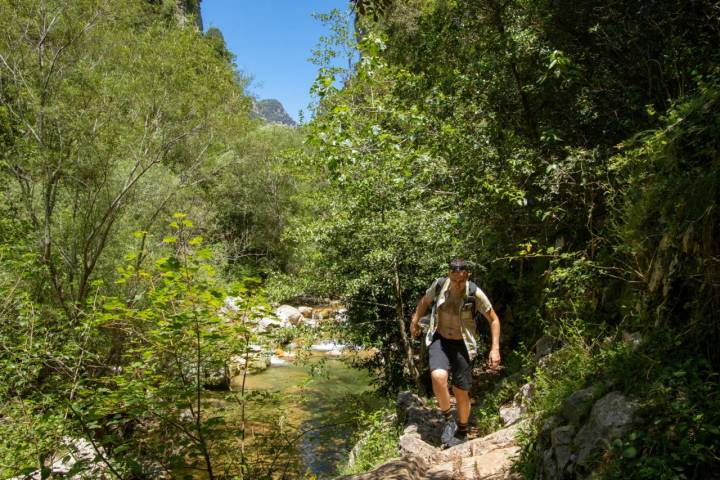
318, 399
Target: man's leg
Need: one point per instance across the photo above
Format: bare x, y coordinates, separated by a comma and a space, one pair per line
439, 367
462, 382
462, 403
440, 389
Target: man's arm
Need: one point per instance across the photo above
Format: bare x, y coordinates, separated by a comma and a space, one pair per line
422, 307
494, 322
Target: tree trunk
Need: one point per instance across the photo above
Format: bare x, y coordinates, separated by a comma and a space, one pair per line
400, 315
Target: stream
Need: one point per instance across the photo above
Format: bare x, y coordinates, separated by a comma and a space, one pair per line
319, 395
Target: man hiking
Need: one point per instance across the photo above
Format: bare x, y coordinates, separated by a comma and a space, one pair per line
451, 338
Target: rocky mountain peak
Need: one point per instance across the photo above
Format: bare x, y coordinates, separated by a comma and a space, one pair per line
271, 110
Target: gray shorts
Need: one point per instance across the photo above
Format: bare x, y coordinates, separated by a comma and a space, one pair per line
451, 356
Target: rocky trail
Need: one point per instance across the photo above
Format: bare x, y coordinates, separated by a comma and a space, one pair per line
488, 457
570, 443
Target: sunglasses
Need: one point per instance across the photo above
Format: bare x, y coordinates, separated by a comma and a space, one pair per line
455, 268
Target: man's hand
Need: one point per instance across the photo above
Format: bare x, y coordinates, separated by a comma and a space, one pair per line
414, 328
494, 358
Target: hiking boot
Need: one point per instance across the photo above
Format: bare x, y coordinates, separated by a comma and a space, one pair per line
448, 432
455, 440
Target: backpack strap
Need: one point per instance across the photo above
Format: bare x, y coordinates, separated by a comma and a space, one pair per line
439, 283
472, 290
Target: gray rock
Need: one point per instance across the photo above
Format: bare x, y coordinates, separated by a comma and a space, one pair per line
272, 111
611, 417
411, 444
265, 324
499, 439
405, 401
257, 361
545, 361
289, 314
578, 404
525, 394
494, 464
543, 346
511, 414
549, 425
74, 451
406, 468
561, 441
490, 457
549, 467
216, 378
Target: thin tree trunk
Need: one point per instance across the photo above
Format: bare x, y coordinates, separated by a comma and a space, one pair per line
400, 315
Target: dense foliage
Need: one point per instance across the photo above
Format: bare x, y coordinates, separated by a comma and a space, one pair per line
569, 149
113, 116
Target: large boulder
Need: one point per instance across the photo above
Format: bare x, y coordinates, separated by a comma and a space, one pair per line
568, 452
611, 417
578, 404
561, 440
266, 324
217, 378
289, 314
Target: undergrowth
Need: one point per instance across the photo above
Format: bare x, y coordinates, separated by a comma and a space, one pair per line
678, 434
376, 440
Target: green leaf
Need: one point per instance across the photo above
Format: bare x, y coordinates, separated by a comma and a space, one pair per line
630, 452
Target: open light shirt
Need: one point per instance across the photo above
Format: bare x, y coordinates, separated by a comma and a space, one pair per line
468, 327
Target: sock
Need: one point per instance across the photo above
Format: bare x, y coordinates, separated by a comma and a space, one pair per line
447, 414
462, 429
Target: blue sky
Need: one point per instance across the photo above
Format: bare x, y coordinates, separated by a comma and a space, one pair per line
273, 40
